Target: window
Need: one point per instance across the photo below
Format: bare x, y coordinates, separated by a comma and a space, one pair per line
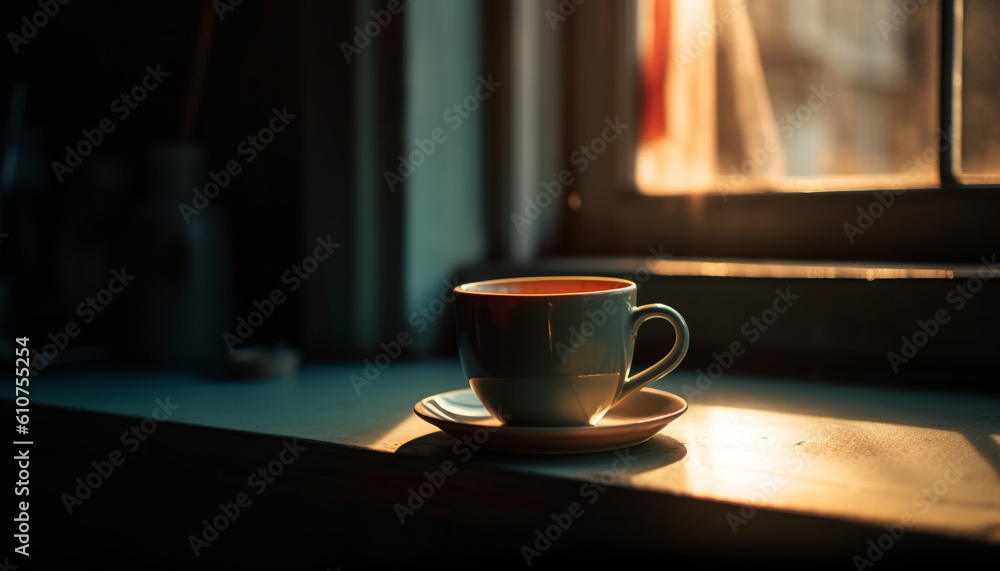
900, 119
976, 112
783, 95
861, 193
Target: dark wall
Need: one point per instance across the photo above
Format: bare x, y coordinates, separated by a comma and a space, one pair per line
112, 211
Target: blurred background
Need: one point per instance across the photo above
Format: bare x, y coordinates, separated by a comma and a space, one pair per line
183, 181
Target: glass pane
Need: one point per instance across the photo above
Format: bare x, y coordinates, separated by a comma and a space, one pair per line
787, 95
977, 108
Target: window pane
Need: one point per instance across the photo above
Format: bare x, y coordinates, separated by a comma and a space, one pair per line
787, 95
977, 107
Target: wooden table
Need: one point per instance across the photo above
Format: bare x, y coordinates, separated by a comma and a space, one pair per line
777, 469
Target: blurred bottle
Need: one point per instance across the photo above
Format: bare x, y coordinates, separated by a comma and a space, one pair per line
182, 267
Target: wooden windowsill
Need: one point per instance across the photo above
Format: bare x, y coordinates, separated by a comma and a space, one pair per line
826, 466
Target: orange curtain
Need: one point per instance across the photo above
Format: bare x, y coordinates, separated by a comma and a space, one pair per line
654, 74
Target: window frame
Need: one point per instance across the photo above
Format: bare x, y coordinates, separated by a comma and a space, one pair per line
952, 223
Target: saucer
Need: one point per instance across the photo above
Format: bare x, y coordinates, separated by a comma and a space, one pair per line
632, 421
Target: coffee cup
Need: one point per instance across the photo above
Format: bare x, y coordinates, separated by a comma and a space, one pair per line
556, 351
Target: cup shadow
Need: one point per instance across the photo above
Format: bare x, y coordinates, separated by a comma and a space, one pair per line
659, 451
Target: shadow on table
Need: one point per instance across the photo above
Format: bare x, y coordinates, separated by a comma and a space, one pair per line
657, 452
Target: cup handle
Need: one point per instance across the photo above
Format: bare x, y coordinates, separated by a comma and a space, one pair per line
668, 363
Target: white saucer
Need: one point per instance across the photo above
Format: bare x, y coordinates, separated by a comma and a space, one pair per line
633, 421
